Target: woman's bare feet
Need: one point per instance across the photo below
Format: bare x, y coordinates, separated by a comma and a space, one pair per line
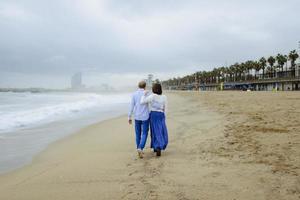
158, 152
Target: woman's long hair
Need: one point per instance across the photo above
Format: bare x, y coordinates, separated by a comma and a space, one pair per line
156, 88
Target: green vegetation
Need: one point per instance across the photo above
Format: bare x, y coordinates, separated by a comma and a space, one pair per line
270, 68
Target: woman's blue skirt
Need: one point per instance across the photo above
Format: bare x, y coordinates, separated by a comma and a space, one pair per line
159, 132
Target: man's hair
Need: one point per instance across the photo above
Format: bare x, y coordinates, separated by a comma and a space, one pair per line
156, 88
142, 84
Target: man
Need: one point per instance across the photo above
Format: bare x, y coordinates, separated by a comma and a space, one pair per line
141, 118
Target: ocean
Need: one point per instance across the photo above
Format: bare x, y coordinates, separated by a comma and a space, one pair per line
29, 122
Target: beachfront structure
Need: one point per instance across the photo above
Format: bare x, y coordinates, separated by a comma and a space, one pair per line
274, 73
149, 81
76, 81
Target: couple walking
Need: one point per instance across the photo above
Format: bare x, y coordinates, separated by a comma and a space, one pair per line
149, 110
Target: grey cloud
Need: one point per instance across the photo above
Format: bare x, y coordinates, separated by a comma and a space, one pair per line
64, 36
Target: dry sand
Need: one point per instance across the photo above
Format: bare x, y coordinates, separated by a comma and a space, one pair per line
223, 145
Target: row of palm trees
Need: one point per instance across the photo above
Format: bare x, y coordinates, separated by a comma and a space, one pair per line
271, 67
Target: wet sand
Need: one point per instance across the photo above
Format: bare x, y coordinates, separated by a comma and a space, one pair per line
223, 145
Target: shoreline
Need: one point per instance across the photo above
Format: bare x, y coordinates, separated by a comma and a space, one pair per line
37, 139
211, 154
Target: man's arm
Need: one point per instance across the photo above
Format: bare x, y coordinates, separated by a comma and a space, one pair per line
131, 109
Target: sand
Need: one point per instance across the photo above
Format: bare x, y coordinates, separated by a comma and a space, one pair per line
223, 145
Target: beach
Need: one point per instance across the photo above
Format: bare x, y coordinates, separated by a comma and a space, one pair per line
222, 145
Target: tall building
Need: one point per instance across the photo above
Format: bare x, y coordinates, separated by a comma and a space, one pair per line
149, 81
76, 81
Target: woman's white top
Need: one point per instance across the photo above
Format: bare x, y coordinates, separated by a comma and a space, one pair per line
156, 102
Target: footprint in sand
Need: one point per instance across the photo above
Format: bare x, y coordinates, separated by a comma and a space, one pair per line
131, 173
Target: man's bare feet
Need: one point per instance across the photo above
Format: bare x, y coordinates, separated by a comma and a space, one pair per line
140, 153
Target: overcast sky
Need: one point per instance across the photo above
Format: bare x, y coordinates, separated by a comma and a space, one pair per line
42, 43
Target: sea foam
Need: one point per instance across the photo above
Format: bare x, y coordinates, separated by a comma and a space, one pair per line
24, 110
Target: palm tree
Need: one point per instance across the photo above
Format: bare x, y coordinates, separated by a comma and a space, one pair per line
211, 76
249, 66
233, 70
293, 57
222, 71
243, 70
271, 61
227, 74
197, 79
257, 67
215, 75
237, 70
156, 81
281, 60
263, 63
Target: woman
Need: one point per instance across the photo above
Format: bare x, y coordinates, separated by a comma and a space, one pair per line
158, 106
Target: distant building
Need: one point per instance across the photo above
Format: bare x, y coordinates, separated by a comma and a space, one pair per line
297, 71
76, 81
149, 81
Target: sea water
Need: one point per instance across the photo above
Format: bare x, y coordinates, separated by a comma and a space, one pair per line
29, 122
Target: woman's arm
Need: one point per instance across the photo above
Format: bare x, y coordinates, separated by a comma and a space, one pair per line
146, 99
